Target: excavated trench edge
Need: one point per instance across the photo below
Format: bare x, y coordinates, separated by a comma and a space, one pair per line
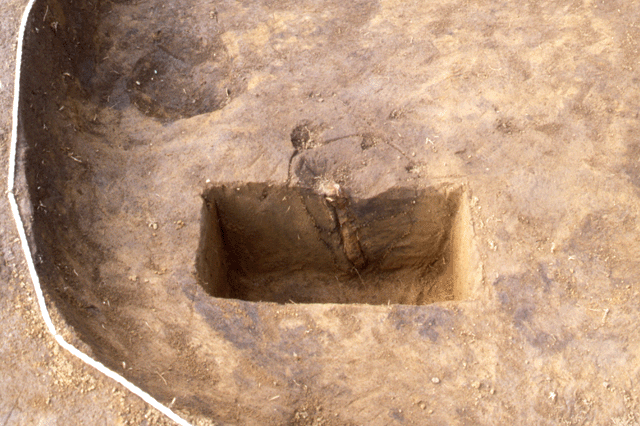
27, 250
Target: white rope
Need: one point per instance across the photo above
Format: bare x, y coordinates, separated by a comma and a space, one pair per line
27, 251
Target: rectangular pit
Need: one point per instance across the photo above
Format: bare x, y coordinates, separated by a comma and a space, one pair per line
280, 244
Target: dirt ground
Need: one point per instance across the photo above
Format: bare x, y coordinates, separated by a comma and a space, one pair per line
325, 213
39, 383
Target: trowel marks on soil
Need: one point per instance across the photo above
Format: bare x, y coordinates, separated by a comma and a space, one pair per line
264, 242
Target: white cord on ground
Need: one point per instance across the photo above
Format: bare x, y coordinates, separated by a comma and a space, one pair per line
27, 251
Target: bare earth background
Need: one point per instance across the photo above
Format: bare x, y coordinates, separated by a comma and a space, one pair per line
533, 105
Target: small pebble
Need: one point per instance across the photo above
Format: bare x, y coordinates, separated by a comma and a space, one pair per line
435, 380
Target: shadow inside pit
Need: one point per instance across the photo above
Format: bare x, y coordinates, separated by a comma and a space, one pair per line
262, 242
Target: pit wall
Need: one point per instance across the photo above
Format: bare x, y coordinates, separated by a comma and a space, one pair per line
58, 60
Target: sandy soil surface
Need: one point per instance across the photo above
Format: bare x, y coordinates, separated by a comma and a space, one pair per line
321, 212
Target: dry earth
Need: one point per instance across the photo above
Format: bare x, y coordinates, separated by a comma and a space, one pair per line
39, 383
320, 212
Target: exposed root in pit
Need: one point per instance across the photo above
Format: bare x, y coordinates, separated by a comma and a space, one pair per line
338, 201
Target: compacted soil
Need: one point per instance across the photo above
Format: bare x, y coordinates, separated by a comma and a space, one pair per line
325, 213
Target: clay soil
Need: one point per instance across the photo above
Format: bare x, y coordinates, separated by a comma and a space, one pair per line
325, 212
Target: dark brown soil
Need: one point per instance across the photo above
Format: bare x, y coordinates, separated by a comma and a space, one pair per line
324, 212
262, 242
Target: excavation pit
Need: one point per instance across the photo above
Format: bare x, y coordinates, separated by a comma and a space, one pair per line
281, 244
190, 299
